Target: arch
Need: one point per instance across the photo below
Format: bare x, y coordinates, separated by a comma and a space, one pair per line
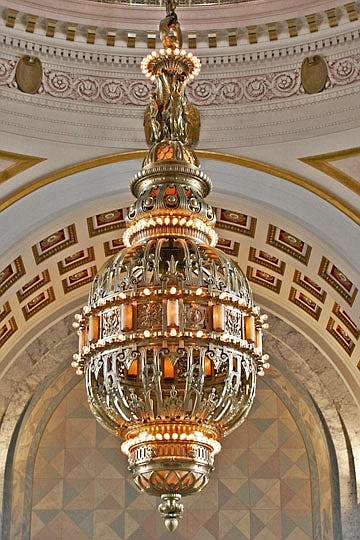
202, 154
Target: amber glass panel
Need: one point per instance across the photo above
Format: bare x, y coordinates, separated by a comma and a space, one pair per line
207, 367
168, 369
164, 152
133, 369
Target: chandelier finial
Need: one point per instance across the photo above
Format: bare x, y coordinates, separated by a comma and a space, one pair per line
171, 510
171, 5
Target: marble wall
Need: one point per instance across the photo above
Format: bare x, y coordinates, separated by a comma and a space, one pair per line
260, 490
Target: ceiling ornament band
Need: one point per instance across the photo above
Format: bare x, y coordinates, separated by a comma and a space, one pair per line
170, 342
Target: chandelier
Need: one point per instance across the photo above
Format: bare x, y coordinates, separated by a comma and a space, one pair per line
170, 342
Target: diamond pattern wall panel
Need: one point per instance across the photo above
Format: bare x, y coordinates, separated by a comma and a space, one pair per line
260, 489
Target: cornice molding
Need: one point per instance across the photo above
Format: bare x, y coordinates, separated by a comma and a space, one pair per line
224, 55
267, 33
123, 11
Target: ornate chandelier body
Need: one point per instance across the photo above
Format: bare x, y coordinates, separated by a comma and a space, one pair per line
170, 341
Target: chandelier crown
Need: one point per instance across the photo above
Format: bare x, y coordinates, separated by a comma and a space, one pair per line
170, 341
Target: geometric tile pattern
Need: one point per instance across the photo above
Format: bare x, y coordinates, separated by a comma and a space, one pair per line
260, 489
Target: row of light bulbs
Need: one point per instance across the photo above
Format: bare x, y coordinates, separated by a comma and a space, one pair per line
195, 436
154, 222
150, 59
229, 299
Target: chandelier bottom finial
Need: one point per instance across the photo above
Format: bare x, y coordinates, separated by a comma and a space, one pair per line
171, 510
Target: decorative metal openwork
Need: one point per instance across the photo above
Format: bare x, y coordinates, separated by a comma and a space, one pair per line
170, 341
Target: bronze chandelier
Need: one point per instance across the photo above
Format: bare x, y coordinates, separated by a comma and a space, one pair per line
170, 341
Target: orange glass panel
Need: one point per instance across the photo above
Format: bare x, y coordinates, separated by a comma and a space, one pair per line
250, 328
82, 339
133, 369
164, 152
170, 190
207, 367
258, 340
169, 371
172, 479
126, 317
94, 321
154, 192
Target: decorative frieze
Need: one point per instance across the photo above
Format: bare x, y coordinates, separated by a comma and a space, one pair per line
219, 89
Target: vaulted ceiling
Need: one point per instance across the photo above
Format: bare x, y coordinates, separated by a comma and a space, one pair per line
285, 162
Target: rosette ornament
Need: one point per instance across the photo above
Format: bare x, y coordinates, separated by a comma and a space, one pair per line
170, 342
